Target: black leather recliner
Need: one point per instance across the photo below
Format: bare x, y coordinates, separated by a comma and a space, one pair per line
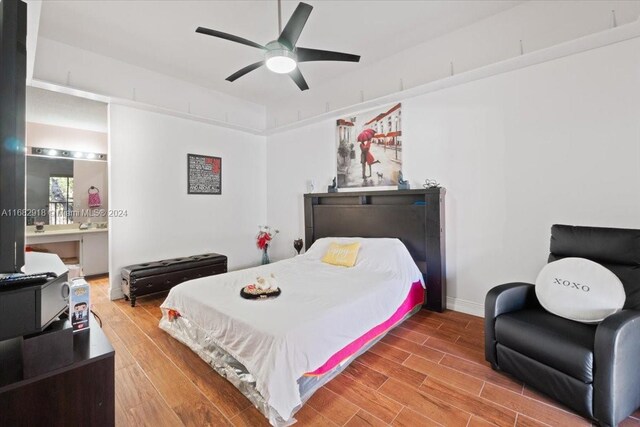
592, 369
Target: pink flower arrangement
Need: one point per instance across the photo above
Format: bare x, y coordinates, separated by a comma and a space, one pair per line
265, 235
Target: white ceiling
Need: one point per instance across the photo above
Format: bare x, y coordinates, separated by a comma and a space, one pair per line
58, 109
160, 35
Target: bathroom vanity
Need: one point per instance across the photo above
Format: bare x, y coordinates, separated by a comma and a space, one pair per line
87, 248
59, 190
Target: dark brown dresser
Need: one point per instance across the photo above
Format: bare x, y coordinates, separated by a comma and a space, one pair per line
151, 277
79, 394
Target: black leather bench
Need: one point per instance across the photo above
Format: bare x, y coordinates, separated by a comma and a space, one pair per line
151, 277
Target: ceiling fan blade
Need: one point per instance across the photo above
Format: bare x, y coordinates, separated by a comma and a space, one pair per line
307, 55
291, 32
229, 37
296, 75
245, 70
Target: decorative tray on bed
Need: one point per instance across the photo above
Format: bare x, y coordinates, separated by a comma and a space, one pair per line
254, 292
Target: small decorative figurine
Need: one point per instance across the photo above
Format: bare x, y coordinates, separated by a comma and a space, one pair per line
333, 188
402, 184
431, 183
263, 288
297, 245
266, 283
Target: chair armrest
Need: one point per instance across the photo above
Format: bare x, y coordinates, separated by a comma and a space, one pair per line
509, 297
617, 377
504, 299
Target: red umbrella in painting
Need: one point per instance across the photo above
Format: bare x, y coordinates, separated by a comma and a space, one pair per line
366, 135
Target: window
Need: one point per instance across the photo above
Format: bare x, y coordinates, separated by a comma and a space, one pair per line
60, 200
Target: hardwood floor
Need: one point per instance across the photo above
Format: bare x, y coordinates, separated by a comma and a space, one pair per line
429, 371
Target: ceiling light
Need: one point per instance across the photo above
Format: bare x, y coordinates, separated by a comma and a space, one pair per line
78, 155
281, 61
52, 152
91, 156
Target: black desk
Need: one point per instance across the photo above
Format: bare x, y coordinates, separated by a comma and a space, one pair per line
80, 394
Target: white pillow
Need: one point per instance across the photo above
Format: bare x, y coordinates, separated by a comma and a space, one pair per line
579, 289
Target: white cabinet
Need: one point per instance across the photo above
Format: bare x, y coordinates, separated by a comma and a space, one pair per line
95, 254
89, 248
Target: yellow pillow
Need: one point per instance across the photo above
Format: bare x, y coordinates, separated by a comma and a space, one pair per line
344, 255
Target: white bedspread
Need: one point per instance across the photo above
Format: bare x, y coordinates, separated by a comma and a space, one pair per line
322, 308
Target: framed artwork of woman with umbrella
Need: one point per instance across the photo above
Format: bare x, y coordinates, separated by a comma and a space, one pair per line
377, 135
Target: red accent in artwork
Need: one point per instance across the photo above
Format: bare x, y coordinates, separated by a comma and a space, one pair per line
382, 115
366, 135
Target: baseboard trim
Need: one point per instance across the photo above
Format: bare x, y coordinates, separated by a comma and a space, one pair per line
115, 293
464, 306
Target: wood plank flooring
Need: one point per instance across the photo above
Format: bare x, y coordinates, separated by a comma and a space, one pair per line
430, 371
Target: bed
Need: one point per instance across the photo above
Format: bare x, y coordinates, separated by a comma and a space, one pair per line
278, 352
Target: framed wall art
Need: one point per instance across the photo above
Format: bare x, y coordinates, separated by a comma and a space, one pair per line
204, 174
369, 148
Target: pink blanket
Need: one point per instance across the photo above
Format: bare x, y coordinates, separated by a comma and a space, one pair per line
414, 299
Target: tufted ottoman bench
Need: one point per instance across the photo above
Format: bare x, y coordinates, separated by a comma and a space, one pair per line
158, 276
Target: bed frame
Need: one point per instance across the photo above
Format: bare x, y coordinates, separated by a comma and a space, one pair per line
416, 217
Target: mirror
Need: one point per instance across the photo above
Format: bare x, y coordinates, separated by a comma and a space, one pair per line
65, 191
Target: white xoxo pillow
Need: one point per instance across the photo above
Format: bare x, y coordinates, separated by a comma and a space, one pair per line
579, 289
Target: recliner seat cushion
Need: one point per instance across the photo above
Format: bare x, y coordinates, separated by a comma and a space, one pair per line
554, 341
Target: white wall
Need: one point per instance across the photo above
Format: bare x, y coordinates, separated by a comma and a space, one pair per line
64, 138
293, 159
148, 180
557, 142
66, 111
71, 67
539, 24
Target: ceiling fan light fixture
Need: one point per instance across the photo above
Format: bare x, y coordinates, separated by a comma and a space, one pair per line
281, 61
283, 55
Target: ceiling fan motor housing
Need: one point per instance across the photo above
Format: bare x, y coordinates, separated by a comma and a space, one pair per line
279, 58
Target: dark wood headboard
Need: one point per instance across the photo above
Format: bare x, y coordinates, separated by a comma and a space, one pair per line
416, 217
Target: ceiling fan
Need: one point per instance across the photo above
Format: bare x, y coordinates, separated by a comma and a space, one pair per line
282, 55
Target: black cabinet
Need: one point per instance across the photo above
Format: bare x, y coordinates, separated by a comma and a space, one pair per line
79, 394
13, 62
